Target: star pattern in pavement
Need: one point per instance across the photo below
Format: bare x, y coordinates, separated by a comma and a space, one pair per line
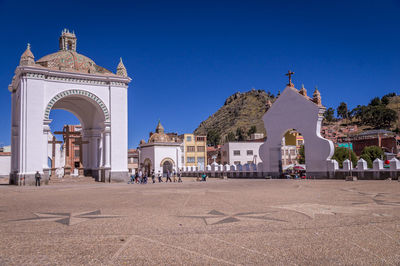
215, 217
69, 218
312, 209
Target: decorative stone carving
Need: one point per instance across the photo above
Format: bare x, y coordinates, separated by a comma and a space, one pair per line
27, 57
76, 92
121, 70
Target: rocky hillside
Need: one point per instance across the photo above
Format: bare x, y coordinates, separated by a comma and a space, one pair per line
394, 104
240, 110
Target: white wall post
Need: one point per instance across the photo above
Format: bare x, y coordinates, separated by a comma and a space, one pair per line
46, 130
106, 146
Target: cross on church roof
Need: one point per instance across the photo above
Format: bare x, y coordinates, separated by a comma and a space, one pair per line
289, 74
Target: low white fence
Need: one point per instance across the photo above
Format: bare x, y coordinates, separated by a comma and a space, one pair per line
333, 171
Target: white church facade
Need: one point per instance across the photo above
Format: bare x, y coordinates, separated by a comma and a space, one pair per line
70, 81
161, 153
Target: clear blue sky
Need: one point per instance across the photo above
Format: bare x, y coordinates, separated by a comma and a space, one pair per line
186, 57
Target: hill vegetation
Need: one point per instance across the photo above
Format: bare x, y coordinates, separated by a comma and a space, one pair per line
239, 117
380, 113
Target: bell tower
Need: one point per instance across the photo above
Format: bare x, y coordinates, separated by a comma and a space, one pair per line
67, 41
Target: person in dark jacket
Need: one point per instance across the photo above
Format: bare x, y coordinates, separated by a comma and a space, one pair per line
168, 176
180, 176
37, 178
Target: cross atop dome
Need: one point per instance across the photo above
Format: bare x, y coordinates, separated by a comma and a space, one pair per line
289, 74
68, 40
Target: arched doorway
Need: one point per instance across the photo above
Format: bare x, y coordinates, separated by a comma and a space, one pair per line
147, 167
93, 140
292, 163
167, 164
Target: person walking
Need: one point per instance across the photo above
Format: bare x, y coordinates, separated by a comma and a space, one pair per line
37, 178
174, 176
180, 176
153, 176
140, 176
159, 177
168, 177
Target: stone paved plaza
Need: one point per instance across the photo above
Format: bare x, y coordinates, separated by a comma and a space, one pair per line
220, 222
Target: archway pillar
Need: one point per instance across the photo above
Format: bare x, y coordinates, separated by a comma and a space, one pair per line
107, 146
92, 156
45, 153
46, 131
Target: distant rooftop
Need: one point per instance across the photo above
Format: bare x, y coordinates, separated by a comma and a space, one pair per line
375, 132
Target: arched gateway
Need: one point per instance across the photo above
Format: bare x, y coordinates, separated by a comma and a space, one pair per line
70, 81
295, 110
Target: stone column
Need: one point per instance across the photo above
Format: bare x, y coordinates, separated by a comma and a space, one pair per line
106, 146
94, 151
46, 130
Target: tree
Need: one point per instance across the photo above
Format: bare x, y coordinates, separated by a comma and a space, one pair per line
302, 155
378, 116
370, 153
329, 114
342, 110
375, 102
230, 137
252, 130
386, 98
240, 134
357, 111
213, 137
342, 153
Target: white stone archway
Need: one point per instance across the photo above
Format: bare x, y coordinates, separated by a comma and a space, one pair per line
73, 82
94, 117
292, 110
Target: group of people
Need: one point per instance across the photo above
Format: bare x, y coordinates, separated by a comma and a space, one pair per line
142, 178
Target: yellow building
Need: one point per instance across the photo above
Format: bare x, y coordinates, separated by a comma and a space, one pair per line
195, 150
294, 138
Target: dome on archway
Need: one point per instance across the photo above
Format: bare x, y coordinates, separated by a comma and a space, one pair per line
159, 135
68, 59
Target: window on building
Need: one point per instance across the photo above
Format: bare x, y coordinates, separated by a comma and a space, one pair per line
190, 149
183, 159
236, 153
300, 142
200, 160
200, 148
188, 138
236, 162
200, 138
249, 152
292, 152
191, 160
182, 149
76, 153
